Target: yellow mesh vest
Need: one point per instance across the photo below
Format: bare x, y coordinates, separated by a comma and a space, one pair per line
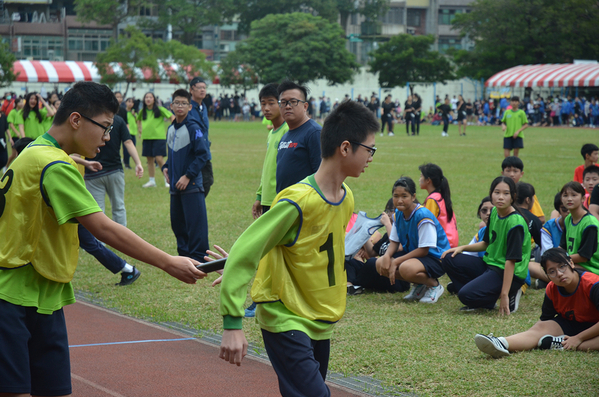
28, 224
308, 276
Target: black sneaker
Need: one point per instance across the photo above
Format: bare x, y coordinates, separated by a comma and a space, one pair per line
550, 342
539, 284
451, 288
515, 300
354, 290
129, 278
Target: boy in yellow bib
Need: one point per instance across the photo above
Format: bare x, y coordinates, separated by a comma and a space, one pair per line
298, 249
42, 198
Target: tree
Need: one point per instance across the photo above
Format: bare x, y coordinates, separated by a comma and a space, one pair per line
508, 33
107, 12
254, 10
408, 59
298, 46
189, 60
135, 51
7, 61
188, 16
233, 72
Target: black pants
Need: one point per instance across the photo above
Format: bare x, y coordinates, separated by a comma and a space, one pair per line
301, 363
478, 284
416, 124
364, 274
207, 177
126, 155
445, 123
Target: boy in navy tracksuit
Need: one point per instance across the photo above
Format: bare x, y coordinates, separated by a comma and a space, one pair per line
187, 155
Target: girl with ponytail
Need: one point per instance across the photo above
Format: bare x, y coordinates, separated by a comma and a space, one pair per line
439, 200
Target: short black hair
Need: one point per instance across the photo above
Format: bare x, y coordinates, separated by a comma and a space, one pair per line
21, 144
575, 186
269, 90
407, 183
487, 199
196, 80
591, 169
556, 255
515, 99
588, 148
87, 98
512, 161
287, 85
351, 121
183, 94
557, 201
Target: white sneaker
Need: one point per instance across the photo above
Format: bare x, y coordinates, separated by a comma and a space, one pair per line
382, 134
416, 293
149, 184
432, 294
391, 134
514, 300
491, 345
166, 184
444, 134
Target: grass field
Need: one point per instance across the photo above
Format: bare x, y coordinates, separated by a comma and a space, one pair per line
424, 349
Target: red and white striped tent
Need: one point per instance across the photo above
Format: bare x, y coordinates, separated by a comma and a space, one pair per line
55, 72
71, 72
549, 75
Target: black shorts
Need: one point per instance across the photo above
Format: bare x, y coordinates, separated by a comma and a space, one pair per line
511, 143
35, 352
571, 328
154, 148
431, 264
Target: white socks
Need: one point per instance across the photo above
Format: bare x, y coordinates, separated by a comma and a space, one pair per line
127, 268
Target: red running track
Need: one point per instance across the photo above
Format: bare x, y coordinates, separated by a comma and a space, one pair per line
162, 362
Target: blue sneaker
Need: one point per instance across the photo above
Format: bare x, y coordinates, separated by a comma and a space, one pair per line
251, 310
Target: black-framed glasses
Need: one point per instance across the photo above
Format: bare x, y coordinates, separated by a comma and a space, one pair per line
106, 129
180, 104
291, 102
371, 149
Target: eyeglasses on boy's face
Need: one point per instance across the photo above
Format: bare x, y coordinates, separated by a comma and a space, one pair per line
371, 149
180, 104
291, 102
561, 268
106, 129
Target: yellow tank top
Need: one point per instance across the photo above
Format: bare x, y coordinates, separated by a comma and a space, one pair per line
28, 224
308, 276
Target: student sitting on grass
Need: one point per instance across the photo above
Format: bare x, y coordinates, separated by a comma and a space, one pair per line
438, 200
422, 240
590, 155
590, 179
479, 282
483, 213
551, 235
569, 317
361, 269
580, 236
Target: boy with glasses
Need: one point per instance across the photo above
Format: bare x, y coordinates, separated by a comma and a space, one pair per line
296, 252
42, 199
197, 89
299, 148
187, 155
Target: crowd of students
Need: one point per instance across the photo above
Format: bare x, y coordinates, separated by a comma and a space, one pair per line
514, 242
294, 249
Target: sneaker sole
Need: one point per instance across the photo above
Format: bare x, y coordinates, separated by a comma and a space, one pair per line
437, 298
486, 346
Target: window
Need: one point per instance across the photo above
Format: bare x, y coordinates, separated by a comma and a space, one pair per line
446, 16
75, 44
413, 18
394, 16
228, 35
354, 19
445, 43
